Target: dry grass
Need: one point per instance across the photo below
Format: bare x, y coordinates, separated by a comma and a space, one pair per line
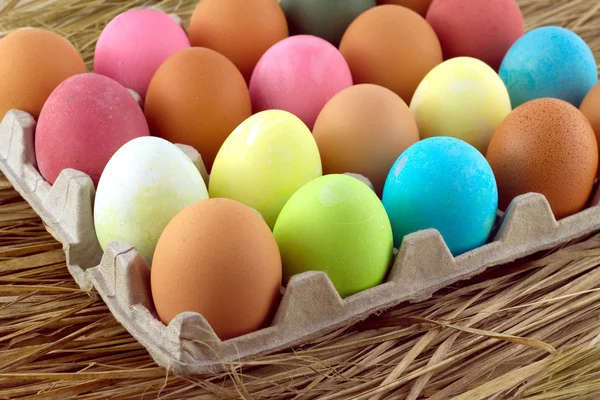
528, 330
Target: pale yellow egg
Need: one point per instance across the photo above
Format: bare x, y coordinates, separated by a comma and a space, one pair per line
462, 98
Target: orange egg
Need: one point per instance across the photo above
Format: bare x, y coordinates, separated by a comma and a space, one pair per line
363, 129
33, 62
393, 47
218, 258
419, 6
590, 107
241, 30
197, 97
545, 146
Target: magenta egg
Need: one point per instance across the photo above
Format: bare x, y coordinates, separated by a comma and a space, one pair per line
134, 44
299, 75
86, 119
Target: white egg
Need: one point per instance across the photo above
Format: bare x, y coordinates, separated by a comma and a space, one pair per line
144, 185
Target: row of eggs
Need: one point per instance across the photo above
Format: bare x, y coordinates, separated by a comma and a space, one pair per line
272, 163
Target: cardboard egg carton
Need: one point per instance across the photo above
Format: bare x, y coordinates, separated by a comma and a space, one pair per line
310, 306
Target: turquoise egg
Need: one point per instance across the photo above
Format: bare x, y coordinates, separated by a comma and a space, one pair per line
445, 184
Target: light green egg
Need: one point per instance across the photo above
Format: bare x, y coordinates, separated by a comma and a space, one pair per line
264, 161
338, 225
143, 186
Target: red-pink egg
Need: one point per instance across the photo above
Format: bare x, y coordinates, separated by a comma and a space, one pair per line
86, 119
299, 75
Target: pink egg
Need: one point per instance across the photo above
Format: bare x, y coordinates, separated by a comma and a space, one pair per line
86, 119
299, 75
134, 44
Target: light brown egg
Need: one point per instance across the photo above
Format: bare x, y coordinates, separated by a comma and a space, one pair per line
420, 6
241, 30
33, 62
545, 146
218, 258
393, 47
590, 107
364, 129
197, 97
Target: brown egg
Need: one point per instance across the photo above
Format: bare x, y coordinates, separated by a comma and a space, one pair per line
419, 6
545, 146
241, 30
197, 97
218, 258
33, 62
364, 129
393, 47
590, 107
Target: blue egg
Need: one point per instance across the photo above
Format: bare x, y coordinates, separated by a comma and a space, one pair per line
549, 62
445, 184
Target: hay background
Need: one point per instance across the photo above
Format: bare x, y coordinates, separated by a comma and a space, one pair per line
528, 330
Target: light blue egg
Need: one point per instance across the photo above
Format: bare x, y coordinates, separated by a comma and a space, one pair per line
549, 62
445, 184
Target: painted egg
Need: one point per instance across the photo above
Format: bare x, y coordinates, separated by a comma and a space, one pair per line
590, 107
218, 258
134, 44
549, 62
419, 6
481, 29
462, 98
545, 146
299, 74
264, 161
325, 19
136, 200
336, 224
86, 119
445, 184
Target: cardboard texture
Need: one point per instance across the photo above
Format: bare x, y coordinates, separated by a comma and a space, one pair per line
310, 306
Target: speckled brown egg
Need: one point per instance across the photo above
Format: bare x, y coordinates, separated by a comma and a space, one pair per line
590, 107
420, 6
363, 129
33, 62
545, 146
391, 46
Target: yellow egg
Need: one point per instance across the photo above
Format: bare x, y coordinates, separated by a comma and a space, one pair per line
264, 161
462, 98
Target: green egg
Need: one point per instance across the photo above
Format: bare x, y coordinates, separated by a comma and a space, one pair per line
338, 225
327, 19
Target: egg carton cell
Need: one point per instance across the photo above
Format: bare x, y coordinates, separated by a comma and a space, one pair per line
310, 306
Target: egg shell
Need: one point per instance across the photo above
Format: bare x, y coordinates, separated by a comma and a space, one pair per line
86, 119
545, 146
240, 30
134, 44
197, 97
391, 46
299, 74
462, 98
549, 62
419, 6
33, 62
336, 224
590, 107
445, 184
218, 258
264, 161
144, 185
481, 29
325, 19
363, 129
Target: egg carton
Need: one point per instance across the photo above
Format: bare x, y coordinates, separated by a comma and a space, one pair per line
310, 306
